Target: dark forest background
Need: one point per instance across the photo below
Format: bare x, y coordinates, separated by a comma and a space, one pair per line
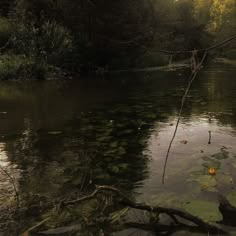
53, 38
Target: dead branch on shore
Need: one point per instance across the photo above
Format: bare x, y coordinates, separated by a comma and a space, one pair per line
175, 214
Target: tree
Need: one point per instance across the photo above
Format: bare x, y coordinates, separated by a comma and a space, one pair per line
222, 17
202, 11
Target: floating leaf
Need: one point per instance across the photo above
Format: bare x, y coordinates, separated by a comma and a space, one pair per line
194, 175
212, 163
205, 210
231, 197
207, 180
184, 142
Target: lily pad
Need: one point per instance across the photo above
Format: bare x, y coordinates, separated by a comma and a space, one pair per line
212, 163
221, 155
205, 182
205, 210
196, 173
231, 197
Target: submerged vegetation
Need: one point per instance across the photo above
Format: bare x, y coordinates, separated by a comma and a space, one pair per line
66, 154
91, 38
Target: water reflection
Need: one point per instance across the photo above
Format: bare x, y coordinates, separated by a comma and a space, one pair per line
189, 151
64, 137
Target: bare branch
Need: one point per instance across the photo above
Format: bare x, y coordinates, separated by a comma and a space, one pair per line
192, 78
169, 211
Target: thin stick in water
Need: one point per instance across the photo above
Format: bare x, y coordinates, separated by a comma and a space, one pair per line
192, 78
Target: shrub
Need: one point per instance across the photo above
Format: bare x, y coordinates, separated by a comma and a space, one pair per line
5, 31
51, 42
20, 67
56, 42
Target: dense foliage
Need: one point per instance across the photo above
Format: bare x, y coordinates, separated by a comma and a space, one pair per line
90, 37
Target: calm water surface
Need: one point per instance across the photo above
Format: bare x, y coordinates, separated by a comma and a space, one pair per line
58, 138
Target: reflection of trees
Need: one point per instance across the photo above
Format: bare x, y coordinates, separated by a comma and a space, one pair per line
215, 93
115, 136
105, 150
106, 146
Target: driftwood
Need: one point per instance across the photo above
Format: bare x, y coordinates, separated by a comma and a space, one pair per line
175, 214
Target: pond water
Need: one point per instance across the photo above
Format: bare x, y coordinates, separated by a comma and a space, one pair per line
60, 138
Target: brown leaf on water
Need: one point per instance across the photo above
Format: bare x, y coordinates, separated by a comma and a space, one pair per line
184, 141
